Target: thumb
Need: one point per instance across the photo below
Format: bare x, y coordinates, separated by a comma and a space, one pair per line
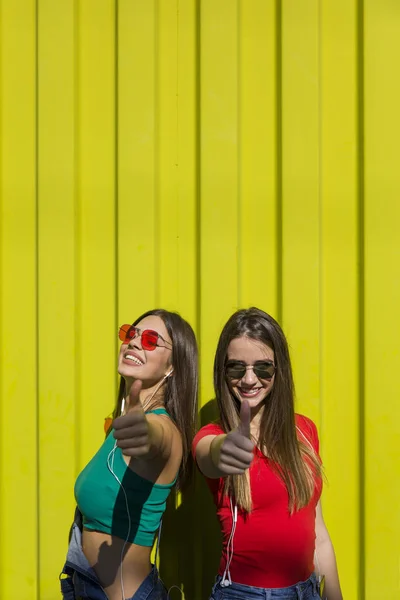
133, 399
245, 417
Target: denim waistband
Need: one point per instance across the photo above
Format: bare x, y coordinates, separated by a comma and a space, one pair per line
294, 592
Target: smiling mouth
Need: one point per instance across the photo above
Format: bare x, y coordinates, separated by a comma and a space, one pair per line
249, 393
133, 359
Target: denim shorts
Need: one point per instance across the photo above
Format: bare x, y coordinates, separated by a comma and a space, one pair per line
304, 590
80, 582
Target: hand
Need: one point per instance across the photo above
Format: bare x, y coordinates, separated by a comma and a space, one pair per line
234, 453
131, 430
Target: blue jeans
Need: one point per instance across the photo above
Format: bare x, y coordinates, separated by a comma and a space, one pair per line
79, 581
304, 590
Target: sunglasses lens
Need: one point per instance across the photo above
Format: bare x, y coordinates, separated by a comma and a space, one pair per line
149, 339
262, 371
265, 371
235, 371
126, 333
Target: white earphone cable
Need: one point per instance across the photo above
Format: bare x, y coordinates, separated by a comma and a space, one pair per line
226, 578
110, 465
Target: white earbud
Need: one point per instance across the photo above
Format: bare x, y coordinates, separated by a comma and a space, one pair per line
169, 373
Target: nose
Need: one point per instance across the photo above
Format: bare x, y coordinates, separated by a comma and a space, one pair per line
249, 378
135, 342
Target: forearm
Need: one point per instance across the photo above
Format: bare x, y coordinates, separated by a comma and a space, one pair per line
225, 454
327, 565
215, 453
207, 456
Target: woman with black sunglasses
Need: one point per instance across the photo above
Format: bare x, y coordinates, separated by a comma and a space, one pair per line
122, 492
262, 466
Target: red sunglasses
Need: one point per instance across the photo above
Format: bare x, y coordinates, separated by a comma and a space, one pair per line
149, 337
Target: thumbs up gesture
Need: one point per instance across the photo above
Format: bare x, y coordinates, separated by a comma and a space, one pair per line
131, 430
232, 454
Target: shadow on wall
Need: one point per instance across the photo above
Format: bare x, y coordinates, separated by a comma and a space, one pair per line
190, 546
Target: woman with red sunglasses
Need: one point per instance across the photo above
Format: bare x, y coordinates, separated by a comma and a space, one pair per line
261, 462
121, 494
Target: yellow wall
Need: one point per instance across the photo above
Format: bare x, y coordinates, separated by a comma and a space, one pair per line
199, 156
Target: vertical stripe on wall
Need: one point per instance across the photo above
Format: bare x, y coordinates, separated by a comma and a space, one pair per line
340, 285
18, 302
198, 156
382, 297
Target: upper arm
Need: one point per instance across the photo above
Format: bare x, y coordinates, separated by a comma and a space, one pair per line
321, 531
167, 436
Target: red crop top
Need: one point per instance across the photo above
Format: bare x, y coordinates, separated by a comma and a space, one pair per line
271, 548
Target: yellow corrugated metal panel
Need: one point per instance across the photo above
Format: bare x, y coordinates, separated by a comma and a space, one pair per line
198, 156
18, 303
381, 517
340, 293
137, 143
301, 234
95, 177
218, 174
259, 202
57, 280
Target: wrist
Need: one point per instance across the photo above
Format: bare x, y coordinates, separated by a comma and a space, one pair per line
215, 449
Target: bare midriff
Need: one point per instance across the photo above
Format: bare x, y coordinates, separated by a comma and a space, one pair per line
104, 551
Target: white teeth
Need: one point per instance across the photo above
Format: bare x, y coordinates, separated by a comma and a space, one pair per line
250, 392
134, 359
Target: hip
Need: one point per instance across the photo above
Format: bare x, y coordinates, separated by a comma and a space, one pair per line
107, 555
304, 590
79, 580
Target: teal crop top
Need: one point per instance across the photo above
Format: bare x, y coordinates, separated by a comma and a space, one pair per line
102, 503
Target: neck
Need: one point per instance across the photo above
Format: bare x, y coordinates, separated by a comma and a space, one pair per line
256, 414
151, 394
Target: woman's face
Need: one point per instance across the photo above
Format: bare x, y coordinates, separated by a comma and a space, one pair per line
150, 366
244, 352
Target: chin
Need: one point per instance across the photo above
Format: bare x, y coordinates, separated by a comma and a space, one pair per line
256, 403
252, 401
126, 371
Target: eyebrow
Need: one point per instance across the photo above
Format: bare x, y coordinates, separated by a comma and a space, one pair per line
236, 361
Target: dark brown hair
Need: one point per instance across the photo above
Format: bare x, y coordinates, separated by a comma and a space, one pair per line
296, 463
179, 393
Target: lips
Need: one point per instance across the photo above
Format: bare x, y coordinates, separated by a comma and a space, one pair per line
250, 393
133, 358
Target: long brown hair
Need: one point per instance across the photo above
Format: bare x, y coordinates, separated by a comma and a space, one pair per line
295, 461
179, 393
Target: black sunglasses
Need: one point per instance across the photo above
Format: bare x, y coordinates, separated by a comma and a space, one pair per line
262, 369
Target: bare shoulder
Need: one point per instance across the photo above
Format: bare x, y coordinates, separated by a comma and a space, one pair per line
172, 438
164, 420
